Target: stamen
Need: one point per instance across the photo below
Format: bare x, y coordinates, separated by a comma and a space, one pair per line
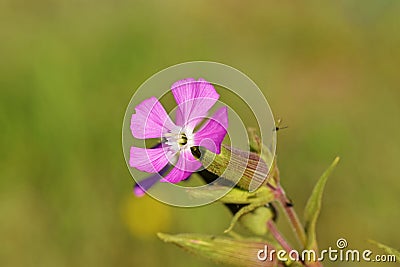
172, 138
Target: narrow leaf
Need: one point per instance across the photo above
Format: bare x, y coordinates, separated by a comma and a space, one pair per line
313, 207
234, 195
224, 250
387, 249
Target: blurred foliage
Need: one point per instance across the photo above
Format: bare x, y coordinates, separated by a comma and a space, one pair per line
135, 211
69, 68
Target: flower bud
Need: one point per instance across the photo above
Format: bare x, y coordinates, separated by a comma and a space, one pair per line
224, 250
255, 221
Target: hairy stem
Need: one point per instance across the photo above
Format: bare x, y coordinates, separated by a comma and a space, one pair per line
278, 236
294, 221
291, 214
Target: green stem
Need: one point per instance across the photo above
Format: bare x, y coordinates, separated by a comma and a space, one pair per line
278, 236
294, 221
291, 214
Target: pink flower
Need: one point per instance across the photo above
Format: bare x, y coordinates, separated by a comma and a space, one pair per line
194, 99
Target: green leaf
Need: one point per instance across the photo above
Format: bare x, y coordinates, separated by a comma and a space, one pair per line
313, 207
222, 249
234, 195
260, 198
387, 249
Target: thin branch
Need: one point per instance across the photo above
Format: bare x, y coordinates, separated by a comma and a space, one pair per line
278, 236
291, 214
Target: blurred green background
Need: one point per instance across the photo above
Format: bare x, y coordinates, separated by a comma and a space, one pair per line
69, 68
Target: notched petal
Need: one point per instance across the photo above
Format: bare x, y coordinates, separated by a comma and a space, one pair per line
148, 160
213, 131
150, 120
194, 99
184, 167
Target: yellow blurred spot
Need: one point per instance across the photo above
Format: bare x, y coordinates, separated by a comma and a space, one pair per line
145, 216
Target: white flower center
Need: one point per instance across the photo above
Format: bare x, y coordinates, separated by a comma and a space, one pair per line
178, 139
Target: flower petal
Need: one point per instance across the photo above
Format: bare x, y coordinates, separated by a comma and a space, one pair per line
145, 184
149, 159
185, 166
213, 131
150, 120
175, 176
194, 99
